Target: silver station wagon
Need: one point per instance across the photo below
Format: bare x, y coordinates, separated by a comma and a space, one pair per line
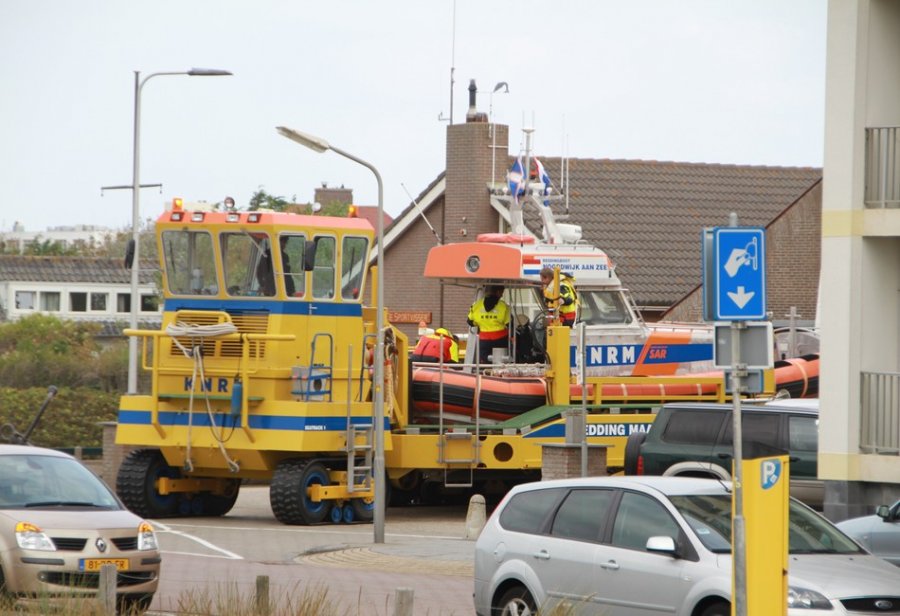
656, 545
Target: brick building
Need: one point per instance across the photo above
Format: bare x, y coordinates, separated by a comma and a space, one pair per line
646, 215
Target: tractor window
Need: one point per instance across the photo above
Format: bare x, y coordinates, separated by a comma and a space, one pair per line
189, 263
323, 268
353, 266
247, 258
293, 248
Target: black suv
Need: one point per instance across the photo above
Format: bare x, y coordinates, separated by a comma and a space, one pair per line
695, 440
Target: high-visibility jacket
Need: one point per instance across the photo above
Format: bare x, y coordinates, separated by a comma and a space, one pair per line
568, 300
431, 346
492, 324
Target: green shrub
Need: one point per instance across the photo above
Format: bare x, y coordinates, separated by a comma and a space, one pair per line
71, 419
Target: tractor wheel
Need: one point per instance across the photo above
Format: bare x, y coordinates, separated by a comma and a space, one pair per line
363, 509
136, 484
287, 494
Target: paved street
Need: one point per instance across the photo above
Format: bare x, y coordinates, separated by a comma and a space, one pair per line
424, 550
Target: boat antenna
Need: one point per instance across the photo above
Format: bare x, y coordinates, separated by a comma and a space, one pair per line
421, 213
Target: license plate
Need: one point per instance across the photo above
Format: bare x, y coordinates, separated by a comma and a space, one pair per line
94, 564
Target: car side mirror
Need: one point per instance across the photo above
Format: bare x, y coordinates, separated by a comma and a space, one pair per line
662, 545
883, 512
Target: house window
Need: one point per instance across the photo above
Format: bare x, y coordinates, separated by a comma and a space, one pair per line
50, 301
98, 302
25, 300
78, 301
123, 302
149, 303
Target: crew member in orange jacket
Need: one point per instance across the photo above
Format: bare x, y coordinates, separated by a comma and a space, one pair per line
432, 346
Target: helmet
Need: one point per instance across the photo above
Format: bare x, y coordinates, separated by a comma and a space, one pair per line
440, 331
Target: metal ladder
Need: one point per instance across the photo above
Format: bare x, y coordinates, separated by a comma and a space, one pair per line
470, 453
359, 476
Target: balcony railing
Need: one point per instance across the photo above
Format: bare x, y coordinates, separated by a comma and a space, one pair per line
882, 167
880, 413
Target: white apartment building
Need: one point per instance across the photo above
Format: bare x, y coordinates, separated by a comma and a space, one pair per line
82, 288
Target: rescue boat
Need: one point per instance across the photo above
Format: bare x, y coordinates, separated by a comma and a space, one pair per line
502, 398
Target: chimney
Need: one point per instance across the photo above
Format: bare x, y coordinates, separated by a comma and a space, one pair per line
472, 114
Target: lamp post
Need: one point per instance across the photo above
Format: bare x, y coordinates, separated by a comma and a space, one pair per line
136, 208
320, 145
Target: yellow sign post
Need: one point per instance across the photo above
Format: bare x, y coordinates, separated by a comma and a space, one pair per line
765, 512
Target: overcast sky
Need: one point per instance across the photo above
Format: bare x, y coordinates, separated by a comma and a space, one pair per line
712, 81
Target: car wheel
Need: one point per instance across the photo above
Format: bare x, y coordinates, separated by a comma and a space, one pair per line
7, 600
632, 451
722, 608
516, 601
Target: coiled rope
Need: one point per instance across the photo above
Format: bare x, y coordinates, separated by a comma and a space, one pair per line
197, 333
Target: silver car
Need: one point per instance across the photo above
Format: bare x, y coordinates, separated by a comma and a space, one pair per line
879, 533
59, 524
656, 545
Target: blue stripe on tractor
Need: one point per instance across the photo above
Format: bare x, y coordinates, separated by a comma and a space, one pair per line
242, 306
257, 422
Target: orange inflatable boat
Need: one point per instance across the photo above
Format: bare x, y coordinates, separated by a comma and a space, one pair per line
505, 397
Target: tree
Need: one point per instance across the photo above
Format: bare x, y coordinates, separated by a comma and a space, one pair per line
41, 350
263, 200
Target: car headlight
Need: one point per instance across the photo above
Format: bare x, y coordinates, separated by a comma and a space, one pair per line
30, 537
806, 599
146, 538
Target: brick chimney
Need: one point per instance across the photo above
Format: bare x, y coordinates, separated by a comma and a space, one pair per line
326, 195
473, 149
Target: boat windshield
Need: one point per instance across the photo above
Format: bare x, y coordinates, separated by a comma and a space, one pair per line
709, 515
603, 308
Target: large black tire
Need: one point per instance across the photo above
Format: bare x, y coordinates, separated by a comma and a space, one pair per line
287, 494
516, 601
632, 451
720, 608
219, 504
136, 484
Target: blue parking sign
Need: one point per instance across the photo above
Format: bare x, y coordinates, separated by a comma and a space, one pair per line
739, 257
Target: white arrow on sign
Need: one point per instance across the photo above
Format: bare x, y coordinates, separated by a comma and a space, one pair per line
741, 297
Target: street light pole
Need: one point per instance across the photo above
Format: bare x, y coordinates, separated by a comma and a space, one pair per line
136, 208
320, 145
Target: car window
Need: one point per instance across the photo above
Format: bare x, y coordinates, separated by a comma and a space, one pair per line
808, 532
694, 427
756, 427
582, 515
803, 434
526, 512
640, 517
26, 480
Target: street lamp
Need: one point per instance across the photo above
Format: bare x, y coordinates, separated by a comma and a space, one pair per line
136, 208
320, 145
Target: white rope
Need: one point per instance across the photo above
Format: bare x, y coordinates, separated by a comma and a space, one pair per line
198, 332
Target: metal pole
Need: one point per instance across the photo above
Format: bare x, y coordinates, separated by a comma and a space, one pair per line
136, 210
378, 466
135, 235
739, 536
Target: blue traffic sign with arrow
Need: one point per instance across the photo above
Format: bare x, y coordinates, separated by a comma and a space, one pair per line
739, 259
